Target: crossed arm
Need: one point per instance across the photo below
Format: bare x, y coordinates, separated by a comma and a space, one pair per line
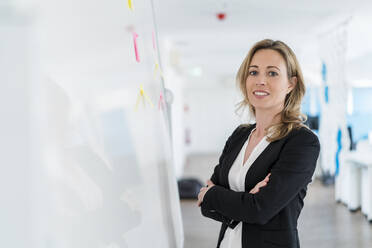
289, 175
210, 184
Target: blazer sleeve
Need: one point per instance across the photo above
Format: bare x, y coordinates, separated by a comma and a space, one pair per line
211, 213
292, 172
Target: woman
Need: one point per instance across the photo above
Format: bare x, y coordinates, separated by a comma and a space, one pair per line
258, 187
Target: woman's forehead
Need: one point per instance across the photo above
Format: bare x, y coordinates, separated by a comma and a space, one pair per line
267, 57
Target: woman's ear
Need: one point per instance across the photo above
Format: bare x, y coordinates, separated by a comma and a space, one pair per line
292, 84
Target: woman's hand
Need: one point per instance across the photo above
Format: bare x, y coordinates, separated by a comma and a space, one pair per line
204, 190
260, 184
210, 184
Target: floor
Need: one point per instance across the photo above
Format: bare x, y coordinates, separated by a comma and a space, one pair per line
323, 223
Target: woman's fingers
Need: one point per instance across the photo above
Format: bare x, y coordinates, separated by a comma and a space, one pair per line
261, 184
258, 186
255, 190
210, 183
201, 195
202, 188
267, 177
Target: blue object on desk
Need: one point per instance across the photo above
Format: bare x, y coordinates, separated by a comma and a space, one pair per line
339, 147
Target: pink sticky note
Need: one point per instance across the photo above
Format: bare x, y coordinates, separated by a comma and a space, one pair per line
135, 36
161, 101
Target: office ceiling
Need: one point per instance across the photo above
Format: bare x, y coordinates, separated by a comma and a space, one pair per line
212, 49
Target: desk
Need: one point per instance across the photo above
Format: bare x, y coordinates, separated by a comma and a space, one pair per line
354, 182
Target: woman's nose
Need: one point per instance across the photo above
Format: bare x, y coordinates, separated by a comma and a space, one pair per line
261, 81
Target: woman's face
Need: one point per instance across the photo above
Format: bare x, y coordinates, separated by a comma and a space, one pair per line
267, 83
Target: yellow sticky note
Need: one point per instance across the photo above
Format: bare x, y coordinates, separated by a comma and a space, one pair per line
157, 68
143, 96
130, 4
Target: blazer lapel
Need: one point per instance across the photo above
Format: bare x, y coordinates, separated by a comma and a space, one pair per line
259, 168
232, 154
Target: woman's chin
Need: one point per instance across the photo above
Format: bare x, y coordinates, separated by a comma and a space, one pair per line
263, 107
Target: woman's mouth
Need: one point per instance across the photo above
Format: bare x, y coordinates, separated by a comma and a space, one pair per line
260, 94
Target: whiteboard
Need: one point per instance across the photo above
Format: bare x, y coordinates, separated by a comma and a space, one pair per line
101, 171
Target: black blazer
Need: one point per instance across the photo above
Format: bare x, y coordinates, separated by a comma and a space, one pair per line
270, 216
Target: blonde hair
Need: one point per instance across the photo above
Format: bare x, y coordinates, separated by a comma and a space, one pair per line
291, 116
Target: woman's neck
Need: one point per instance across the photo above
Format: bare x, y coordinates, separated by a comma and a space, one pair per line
265, 119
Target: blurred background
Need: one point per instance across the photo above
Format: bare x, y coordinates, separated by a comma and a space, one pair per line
114, 114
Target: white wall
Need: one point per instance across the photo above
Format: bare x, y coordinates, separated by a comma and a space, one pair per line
211, 117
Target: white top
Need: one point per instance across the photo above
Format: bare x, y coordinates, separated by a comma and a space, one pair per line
233, 237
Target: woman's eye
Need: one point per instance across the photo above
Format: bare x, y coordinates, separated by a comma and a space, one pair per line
252, 73
273, 73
